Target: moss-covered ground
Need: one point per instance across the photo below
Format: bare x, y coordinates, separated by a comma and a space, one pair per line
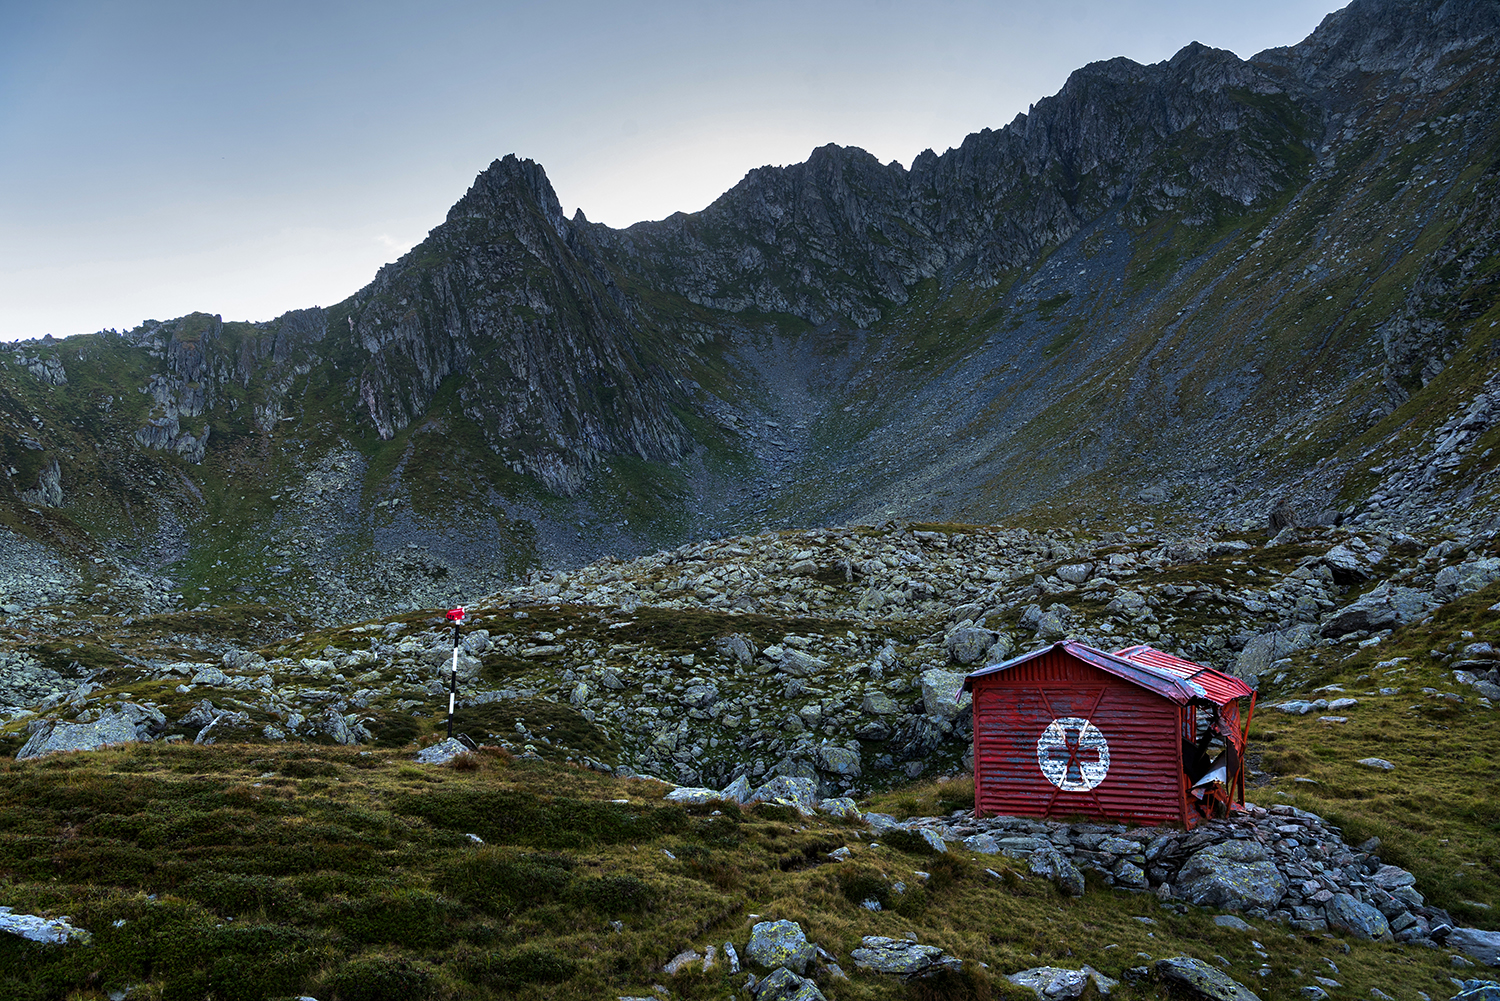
239, 871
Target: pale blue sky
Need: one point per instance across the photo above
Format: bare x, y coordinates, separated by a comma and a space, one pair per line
243, 158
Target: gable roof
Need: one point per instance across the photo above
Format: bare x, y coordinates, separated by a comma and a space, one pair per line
1172, 678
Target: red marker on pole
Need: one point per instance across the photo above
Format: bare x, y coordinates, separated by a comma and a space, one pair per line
455, 616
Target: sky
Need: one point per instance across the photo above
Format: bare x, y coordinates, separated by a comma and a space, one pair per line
247, 158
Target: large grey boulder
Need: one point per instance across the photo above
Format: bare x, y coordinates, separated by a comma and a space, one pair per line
838, 760
968, 644
54, 738
941, 693
1258, 653
1348, 913
902, 957
738, 791
1236, 875
1075, 573
1193, 978
780, 943
1481, 945
1383, 607
1465, 578
1347, 566
1478, 990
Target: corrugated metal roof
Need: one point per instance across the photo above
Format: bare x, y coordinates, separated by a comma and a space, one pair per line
1221, 687
1170, 677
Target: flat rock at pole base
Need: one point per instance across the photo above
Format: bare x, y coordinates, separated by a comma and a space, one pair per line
441, 754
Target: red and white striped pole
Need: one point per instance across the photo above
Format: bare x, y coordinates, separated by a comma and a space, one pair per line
455, 616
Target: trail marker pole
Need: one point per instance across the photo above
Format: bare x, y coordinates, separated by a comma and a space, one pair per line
455, 616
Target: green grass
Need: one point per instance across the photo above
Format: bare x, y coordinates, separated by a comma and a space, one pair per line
1438, 812
241, 871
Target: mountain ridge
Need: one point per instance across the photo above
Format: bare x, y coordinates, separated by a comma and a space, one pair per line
1178, 292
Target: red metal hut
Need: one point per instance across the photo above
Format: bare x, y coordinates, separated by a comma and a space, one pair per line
1137, 735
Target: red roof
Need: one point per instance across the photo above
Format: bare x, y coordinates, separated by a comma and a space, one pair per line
1222, 688
1171, 677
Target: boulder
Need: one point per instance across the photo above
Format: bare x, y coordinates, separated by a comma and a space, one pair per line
1348, 913
1347, 566
939, 689
968, 644
213, 677
693, 795
879, 704
1383, 607
1478, 990
1193, 978
441, 754
933, 838
1051, 981
1481, 945
1049, 863
1379, 764
784, 985
1237, 875
738, 791
1258, 653
984, 844
54, 931
1465, 578
799, 792
780, 943
1075, 573
53, 738
799, 664
838, 760
840, 806
902, 957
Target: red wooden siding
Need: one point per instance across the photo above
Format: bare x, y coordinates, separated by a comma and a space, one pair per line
1013, 709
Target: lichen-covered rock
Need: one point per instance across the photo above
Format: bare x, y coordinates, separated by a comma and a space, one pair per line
1348, 913
1193, 978
693, 795
780, 943
900, 956
441, 754
799, 792
840, 806
941, 693
838, 760
1235, 874
985, 844
933, 838
110, 728
968, 644
1048, 862
738, 791
1051, 982
784, 985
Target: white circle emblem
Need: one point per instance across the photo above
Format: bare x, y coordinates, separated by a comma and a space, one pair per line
1073, 754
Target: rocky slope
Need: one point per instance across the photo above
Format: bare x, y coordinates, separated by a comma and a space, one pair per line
1173, 295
